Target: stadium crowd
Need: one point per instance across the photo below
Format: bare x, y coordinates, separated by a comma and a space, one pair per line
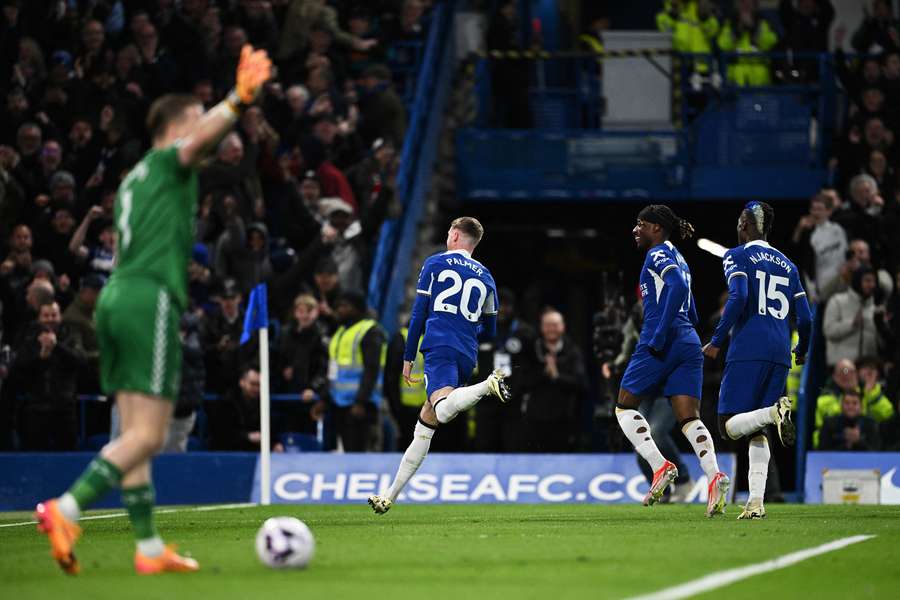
294, 197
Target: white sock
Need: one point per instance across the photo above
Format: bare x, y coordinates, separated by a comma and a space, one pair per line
459, 400
701, 441
749, 422
759, 466
68, 506
637, 430
412, 459
151, 547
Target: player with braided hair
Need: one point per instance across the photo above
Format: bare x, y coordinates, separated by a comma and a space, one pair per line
668, 358
762, 287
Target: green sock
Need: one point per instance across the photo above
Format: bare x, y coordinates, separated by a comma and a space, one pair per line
139, 502
99, 477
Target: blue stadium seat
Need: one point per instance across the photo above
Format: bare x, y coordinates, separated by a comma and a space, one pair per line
299, 442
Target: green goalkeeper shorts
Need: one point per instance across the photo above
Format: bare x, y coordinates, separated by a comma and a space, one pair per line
140, 345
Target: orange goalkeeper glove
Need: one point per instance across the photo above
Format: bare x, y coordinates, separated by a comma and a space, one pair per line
253, 71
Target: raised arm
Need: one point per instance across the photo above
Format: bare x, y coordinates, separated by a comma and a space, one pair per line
254, 69
76, 244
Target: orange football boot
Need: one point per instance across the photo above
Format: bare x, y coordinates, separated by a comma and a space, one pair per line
167, 562
62, 534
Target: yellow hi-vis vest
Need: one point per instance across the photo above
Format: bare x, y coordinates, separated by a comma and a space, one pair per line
794, 375
414, 395
689, 32
346, 363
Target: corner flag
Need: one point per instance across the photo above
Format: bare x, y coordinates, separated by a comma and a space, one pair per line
257, 316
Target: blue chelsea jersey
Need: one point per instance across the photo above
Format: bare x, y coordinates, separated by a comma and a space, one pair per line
660, 260
460, 290
763, 330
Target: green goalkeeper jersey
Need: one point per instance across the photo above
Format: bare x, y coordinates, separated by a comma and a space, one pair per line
154, 214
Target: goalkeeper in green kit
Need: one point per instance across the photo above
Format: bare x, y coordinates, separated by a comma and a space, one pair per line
138, 315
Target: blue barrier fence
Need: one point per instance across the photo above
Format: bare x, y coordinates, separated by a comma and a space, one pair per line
293, 440
729, 141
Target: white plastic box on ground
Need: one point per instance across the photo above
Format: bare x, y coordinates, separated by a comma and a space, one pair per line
851, 486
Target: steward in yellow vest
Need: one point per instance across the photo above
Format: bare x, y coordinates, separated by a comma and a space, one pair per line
356, 358
747, 32
693, 26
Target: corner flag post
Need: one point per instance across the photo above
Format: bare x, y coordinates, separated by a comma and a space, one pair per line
257, 317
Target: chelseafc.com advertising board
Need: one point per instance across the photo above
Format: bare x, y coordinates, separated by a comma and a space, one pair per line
475, 478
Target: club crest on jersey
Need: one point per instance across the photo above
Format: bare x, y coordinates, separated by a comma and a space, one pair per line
728, 264
643, 290
658, 257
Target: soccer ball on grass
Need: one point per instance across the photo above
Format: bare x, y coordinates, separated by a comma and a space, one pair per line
285, 543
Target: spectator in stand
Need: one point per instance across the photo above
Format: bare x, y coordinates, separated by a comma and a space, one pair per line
382, 114
242, 254
890, 83
849, 323
850, 430
373, 180
342, 240
806, 24
15, 270
747, 31
54, 241
860, 216
232, 175
498, 426
25, 307
200, 278
303, 364
509, 77
553, 383
47, 364
221, 334
327, 290
361, 25
821, 244
299, 18
190, 394
879, 31
875, 402
79, 317
83, 152
99, 258
234, 419
258, 19
357, 355
845, 378
858, 256
883, 173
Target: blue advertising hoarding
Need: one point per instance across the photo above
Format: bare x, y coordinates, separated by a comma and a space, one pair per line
888, 463
471, 478
324, 478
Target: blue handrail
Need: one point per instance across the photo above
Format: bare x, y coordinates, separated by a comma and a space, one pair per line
410, 157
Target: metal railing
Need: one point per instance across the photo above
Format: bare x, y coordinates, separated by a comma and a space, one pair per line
411, 159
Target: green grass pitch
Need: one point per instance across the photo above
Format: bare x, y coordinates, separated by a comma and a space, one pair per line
474, 551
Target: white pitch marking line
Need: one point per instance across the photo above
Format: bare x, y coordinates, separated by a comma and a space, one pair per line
159, 511
722, 578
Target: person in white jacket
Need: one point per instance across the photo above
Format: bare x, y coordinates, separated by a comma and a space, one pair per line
849, 323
